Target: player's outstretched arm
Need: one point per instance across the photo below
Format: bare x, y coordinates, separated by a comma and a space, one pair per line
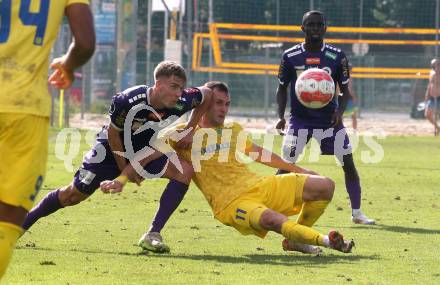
195, 117
81, 49
115, 142
129, 173
273, 160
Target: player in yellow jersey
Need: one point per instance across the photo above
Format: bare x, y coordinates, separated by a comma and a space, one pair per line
249, 202
28, 30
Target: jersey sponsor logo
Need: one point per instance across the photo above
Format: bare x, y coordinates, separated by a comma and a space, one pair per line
215, 147
313, 60
191, 90
86, 176
330, 55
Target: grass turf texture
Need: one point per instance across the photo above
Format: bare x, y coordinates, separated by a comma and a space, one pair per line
94, 242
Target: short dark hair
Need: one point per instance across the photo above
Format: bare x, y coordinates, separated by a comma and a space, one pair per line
313, 12
168, 69
221, 86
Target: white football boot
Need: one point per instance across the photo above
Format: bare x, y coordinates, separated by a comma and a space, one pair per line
152, 241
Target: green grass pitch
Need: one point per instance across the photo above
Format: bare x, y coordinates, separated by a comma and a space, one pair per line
94, 242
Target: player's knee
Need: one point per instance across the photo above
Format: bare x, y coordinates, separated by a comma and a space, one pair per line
328, 189
318, 188
271, 220
70, 196
185, 175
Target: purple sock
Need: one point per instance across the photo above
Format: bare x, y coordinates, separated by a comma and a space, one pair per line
47, 206
169, 201
354, 192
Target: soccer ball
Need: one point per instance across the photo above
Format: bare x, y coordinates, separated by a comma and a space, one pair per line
314, 88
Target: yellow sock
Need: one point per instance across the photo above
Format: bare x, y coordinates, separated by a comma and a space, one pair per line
311, 211
9, 234
303, 234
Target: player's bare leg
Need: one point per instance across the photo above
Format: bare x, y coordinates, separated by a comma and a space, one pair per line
354, 120
429, 114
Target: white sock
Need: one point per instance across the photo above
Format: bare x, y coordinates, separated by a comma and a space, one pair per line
356, 212
326, 241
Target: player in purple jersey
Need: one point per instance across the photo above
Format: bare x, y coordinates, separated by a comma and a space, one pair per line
324, 124
136, 115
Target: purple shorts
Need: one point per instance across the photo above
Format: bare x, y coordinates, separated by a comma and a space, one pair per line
90, 175
332, 140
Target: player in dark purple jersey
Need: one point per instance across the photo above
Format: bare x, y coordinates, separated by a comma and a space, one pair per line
136, 115
324, 124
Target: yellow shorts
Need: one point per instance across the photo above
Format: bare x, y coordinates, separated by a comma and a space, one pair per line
281, 193
23, 146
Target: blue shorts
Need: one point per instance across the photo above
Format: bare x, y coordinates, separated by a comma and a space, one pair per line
430, 103
332, 141
90, 175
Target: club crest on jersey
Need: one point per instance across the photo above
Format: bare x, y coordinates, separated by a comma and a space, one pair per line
313, 60
179, 106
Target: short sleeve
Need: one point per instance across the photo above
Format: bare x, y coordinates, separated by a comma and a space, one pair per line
190, 99
343, 73
118, 111
284, 71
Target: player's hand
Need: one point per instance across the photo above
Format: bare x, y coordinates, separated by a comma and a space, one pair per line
186, 141
280, 126
336, 118
61, 78
111, 186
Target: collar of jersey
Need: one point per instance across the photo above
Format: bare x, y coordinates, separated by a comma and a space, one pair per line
303, 49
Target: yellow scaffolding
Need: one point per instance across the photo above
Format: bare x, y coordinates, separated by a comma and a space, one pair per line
252, 68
